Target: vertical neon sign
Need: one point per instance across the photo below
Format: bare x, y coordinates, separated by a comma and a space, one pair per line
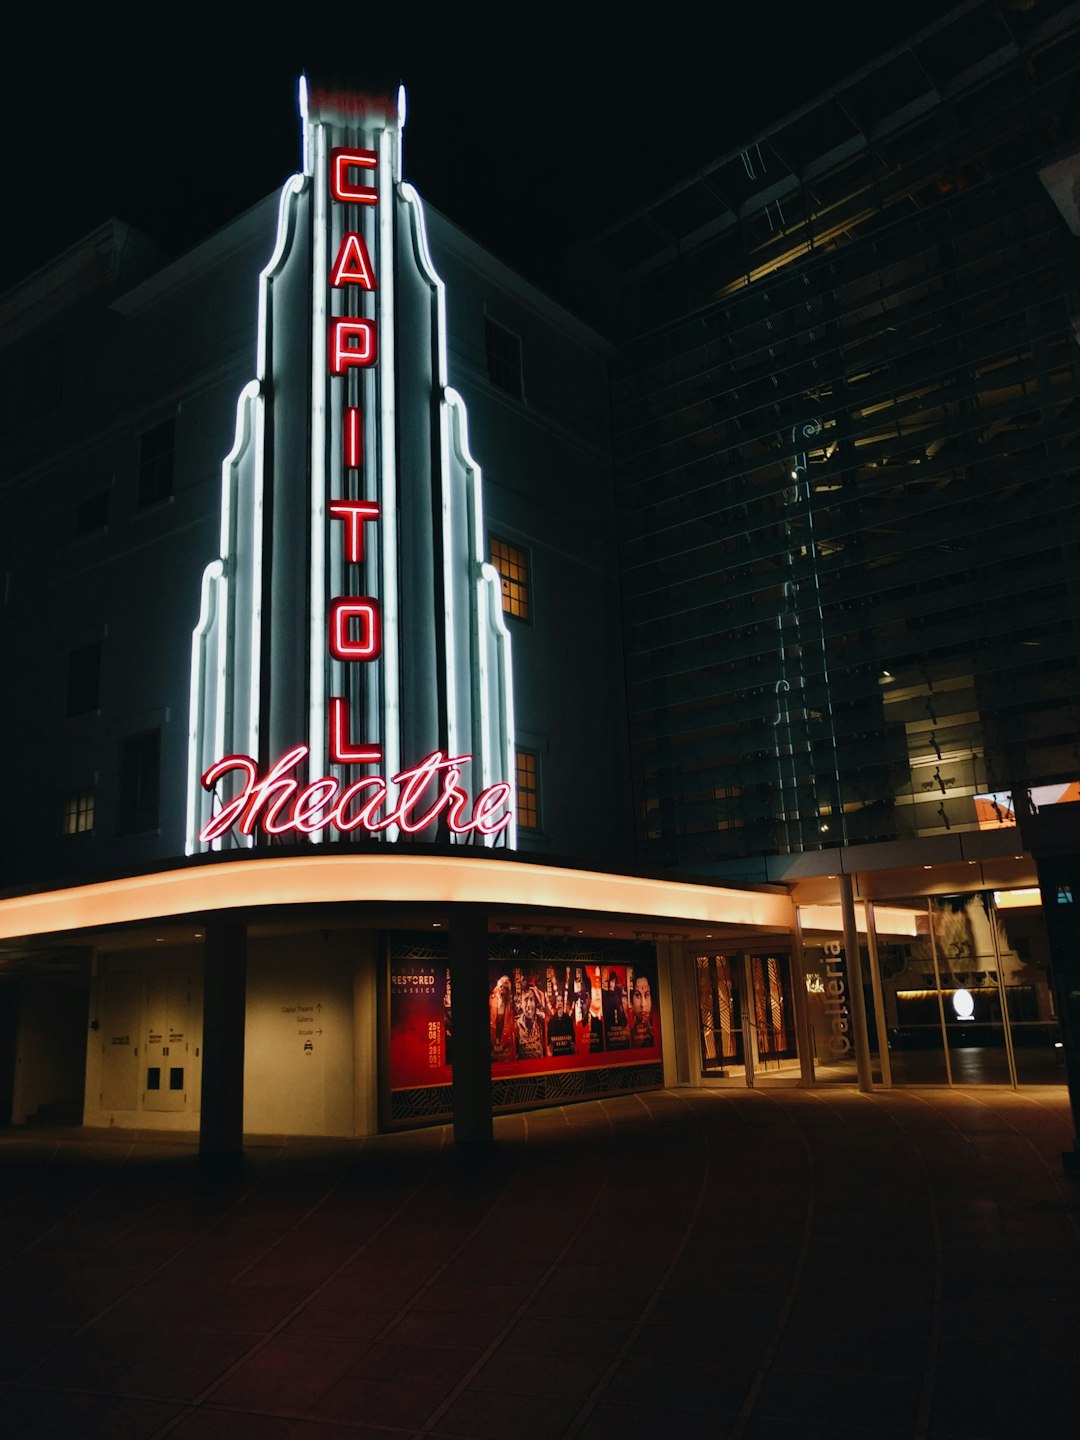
308, 582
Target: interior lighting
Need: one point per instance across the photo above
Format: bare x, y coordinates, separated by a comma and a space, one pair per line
963, 1004
1017, 899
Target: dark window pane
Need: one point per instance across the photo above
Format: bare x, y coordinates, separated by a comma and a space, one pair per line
153, 1077
140, 765
176, 1077
92, 513
83, 679
156, 463
503, 358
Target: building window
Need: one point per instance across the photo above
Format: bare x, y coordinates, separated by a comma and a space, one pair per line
156, 463
43, 381
77, 817
503, 349
83, 679
527, 767
513, 567
137, 797
92, 513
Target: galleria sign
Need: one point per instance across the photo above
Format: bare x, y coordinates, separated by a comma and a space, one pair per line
279, 802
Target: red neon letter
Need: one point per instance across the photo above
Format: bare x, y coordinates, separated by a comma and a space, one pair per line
342, 160
487, 802
365, 816
342, 750
364, 609
416, 781
304, 815
352, 265
229, 813
354, 513
341, 353
353, 437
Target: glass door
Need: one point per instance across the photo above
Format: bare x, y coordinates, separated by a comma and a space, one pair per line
746, 1018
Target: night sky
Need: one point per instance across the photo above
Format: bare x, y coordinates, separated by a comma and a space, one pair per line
528, 132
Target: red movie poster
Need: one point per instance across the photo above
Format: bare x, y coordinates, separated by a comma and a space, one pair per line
420, 1024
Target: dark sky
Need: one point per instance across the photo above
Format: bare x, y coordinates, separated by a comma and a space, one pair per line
527, 126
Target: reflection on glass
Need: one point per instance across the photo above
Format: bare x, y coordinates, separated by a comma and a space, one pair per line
967, 997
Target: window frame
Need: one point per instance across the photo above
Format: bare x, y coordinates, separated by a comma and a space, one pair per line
513, 590
152, 489
82, 693
528, 754
74, 808
134, 815
508, 365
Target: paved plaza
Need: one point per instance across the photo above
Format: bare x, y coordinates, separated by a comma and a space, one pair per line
770, 1264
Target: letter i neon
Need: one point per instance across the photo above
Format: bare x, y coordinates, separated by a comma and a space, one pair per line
353, 437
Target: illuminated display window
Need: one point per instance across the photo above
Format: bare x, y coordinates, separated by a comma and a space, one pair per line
83, 680
92, 513
156, 463
512, 564
77, 816
139, 777
527, 775
503, 350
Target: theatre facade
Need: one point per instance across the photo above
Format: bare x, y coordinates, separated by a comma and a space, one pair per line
322, 748
336, 813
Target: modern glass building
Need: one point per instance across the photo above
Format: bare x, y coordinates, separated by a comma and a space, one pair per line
846, 434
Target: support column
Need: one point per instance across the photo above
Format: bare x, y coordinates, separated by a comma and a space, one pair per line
879, 996
1059, 884
472, 1026
856, 1000
221, 1127
802, 1010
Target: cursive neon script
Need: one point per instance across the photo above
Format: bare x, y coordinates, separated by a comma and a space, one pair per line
278, 802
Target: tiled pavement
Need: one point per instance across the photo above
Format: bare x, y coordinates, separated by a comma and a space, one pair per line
762, 1264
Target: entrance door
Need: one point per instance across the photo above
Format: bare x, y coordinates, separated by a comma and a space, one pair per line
746, 1015
165, 1056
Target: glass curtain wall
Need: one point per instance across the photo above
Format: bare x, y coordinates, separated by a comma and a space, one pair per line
967, 996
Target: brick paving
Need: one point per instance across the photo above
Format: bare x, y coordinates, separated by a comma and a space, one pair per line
763, 1264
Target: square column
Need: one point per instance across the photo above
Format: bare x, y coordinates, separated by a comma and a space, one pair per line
221, 1126
472, 1026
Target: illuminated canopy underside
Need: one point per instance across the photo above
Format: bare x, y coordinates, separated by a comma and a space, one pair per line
323, 879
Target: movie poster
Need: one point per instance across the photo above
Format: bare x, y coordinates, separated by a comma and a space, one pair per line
555, 1015
421, 1029
544, 1016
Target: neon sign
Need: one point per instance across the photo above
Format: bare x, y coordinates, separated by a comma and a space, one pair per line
277, 802
430, 792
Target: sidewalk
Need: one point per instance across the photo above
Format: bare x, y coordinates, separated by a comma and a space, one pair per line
763, 1264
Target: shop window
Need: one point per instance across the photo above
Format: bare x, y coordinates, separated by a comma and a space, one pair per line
83, 679
139, 776
527, 766
503, 349
156, 463
77, 816
512, 564
92, 513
